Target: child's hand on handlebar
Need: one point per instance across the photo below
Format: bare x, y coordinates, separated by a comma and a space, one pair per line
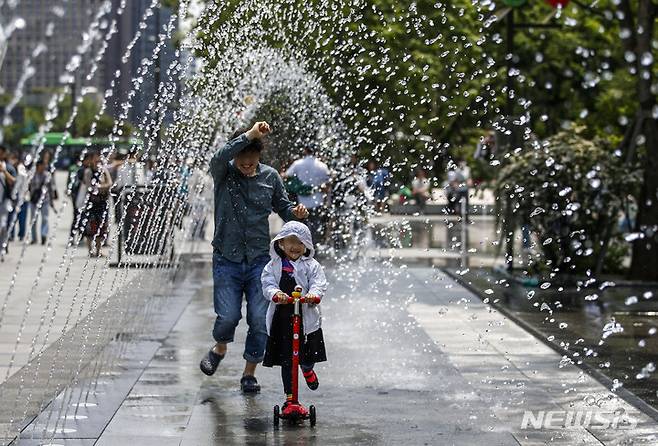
281, 298
312, 299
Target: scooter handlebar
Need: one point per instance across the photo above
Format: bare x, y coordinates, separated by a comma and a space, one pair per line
296, 295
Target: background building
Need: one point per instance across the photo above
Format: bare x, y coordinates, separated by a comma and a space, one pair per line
40, 52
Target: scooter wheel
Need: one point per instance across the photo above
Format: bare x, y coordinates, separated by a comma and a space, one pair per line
277, 413
311, 415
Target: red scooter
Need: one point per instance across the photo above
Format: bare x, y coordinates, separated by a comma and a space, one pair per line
294, 411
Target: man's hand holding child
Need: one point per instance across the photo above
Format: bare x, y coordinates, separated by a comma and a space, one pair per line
300, 212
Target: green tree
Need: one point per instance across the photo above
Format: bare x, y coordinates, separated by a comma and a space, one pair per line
417, 81
569, 192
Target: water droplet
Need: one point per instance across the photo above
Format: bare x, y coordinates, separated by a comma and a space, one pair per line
646, 59
633, 236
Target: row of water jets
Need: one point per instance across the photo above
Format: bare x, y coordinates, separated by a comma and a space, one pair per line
79, 362
206, 114
207, 97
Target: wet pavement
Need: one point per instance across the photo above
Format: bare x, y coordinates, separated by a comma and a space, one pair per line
414, 358
378, 386
581, 321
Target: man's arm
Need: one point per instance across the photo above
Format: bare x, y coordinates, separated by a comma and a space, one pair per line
221, 158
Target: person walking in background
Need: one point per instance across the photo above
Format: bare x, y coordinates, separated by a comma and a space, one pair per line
129, 174
420, 189
76, 177
379, 180
457, 186
95, 214
42, 195
20, 198
7, 180
486, 148
349, 199
314, 177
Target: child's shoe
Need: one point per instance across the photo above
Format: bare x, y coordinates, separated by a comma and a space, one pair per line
311, 379
284, 408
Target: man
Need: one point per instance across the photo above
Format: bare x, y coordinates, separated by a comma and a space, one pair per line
76, 177
314, 174
246, 193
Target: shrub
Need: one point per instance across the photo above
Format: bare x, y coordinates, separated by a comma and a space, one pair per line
569, 191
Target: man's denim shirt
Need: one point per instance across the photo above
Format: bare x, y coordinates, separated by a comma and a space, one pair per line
243, 205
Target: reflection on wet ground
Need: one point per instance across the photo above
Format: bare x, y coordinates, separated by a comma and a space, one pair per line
414, 358
613, 330
371, 388
588, 322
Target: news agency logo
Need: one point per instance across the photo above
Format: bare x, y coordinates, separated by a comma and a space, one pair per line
590, 419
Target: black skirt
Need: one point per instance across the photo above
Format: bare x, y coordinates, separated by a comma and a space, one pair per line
279, 342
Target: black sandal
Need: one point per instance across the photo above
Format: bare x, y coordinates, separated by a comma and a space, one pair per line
210, 362
249, 384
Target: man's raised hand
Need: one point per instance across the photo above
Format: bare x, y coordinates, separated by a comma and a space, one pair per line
259, 130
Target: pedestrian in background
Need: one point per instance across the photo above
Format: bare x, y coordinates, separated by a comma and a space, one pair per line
97, 182
314, 176
379, 180
7, 179
20, 198
42, 195
420, 189
457, 186
76, 177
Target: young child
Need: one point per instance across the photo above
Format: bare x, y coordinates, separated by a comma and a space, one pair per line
292, 265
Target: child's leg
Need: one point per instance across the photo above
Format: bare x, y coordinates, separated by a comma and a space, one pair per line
286, 378
310, 376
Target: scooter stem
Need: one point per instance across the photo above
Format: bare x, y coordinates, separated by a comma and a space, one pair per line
296, 325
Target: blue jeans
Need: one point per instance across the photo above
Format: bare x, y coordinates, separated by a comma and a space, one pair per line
45, 212
231, 281
21, 221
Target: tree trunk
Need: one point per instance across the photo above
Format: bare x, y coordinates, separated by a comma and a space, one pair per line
644, 265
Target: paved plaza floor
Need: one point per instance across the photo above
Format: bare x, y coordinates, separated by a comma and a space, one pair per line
413, 359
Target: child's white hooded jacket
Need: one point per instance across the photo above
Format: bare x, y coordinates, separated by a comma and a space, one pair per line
308, 274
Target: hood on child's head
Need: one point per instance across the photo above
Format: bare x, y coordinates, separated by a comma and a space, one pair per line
298, 229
